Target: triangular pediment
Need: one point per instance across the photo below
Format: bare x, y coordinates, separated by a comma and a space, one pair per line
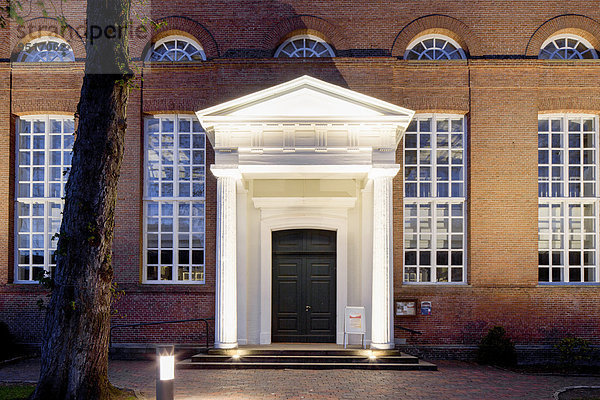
304, 99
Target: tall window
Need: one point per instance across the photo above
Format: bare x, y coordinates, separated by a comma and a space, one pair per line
304, 46
568, 198
46, 49
43, 163
434, 200
176, 48
434, 47
174, 200
567, 47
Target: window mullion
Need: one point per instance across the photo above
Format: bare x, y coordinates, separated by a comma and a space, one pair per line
434, 157
565, 247
46, 202
175, 258
434, 240
566, 197
174, 271
597, 249
432, 200
597, 202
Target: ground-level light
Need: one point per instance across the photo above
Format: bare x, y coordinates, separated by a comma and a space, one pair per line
165, 375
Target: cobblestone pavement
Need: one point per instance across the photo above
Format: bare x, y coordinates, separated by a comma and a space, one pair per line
454, 380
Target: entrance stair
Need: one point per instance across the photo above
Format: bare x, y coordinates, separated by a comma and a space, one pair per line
304, 356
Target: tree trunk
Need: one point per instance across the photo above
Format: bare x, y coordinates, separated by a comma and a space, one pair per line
76, 328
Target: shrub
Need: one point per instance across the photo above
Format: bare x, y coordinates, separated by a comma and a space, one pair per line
8, 344
573, 350
496, 348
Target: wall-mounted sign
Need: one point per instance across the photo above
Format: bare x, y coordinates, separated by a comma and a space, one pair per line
406, 307
425, 308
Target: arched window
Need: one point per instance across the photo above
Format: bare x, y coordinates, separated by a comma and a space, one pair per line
304, 46
46, 49
434, 47
567, 47
176, 48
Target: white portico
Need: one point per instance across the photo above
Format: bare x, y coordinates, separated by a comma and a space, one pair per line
315, 160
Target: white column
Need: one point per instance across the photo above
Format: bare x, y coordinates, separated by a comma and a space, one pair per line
226, 281
382, 322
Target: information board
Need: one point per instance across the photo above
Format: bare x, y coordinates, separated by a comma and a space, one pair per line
406, 308
355, 320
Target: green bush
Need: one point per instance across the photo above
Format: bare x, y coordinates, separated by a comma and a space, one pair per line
497, 349
16, 392
573, 351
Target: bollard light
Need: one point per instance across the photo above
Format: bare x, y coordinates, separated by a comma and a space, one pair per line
165, 374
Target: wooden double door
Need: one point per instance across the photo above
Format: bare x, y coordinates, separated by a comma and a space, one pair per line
304, 286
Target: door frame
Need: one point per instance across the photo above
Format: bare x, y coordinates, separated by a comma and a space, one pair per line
307, 257
332, 219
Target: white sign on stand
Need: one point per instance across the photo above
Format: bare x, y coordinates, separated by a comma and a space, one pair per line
354, 323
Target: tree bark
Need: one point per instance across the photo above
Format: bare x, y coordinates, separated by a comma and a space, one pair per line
76, 329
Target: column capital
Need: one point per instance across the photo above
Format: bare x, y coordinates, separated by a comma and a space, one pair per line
384, 171
226, 171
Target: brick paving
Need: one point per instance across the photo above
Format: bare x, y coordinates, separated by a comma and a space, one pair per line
454, 380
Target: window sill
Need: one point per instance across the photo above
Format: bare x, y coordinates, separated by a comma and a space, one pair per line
436, 284
569, 284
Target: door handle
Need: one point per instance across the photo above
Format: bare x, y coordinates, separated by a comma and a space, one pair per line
308, 308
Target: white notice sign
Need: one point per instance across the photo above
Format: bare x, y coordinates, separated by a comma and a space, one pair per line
355, 320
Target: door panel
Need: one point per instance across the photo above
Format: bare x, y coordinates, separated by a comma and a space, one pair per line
321, 297
287, 294
287, 241
304, 286
319, 241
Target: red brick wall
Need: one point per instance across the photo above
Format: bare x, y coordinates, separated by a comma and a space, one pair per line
531, 316
6, 168
499, 90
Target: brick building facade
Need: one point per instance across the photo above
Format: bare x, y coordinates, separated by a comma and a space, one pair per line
524, 253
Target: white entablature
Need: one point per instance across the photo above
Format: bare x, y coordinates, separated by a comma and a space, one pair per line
304, 115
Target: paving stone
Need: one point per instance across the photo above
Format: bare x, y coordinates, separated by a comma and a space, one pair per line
453, 380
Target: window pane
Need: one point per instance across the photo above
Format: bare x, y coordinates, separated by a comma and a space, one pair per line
43, 144
438, 150
181, 176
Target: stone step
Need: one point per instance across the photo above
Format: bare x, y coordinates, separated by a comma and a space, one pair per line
304, 352
420, 366
298, 358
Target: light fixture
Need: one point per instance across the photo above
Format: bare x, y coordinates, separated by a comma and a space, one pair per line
372, 356
165, 374
236, 356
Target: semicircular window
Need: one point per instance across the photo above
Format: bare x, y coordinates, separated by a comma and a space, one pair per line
304, 46
176, 48
46, 49
567, 47
434, 47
